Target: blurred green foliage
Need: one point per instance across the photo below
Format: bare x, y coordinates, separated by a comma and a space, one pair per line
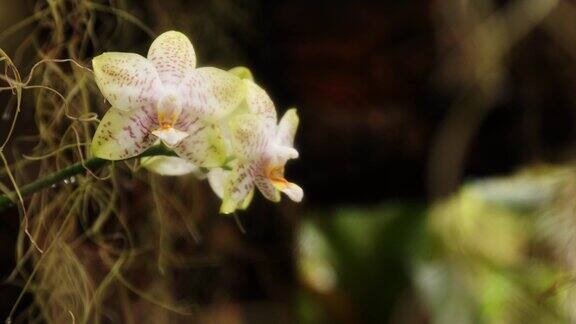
367, 250
481, 256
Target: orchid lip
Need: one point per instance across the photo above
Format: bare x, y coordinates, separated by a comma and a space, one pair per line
276, 175
169, 135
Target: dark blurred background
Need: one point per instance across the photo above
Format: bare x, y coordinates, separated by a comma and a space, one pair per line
400, 102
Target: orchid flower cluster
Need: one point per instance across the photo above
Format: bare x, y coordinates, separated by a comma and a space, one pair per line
221, 125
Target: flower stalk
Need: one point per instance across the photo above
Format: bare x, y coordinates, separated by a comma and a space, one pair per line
93, 164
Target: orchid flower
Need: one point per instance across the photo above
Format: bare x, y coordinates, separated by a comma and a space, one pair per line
261, 155
175, 166
261, 147
164, 97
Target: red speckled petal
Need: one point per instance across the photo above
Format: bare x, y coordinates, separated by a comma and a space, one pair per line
124, 134
127, 80
260, 104
238, 186
173, 56
212, 93
205, 145
266, 187
250, 138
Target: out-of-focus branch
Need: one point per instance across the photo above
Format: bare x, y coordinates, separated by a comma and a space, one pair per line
482, 53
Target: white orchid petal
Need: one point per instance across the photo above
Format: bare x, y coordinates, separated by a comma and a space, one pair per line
287, 128
205, 145
173, 56
170, 166
127, 80
212, 93
124, 134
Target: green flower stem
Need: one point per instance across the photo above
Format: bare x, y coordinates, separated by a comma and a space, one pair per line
93, 164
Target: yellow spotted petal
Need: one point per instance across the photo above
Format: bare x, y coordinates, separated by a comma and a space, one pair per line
124, 134
127, 80
238, 188
204, 146
287, 128
242, 72
170, 166
173, 56
212, 93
